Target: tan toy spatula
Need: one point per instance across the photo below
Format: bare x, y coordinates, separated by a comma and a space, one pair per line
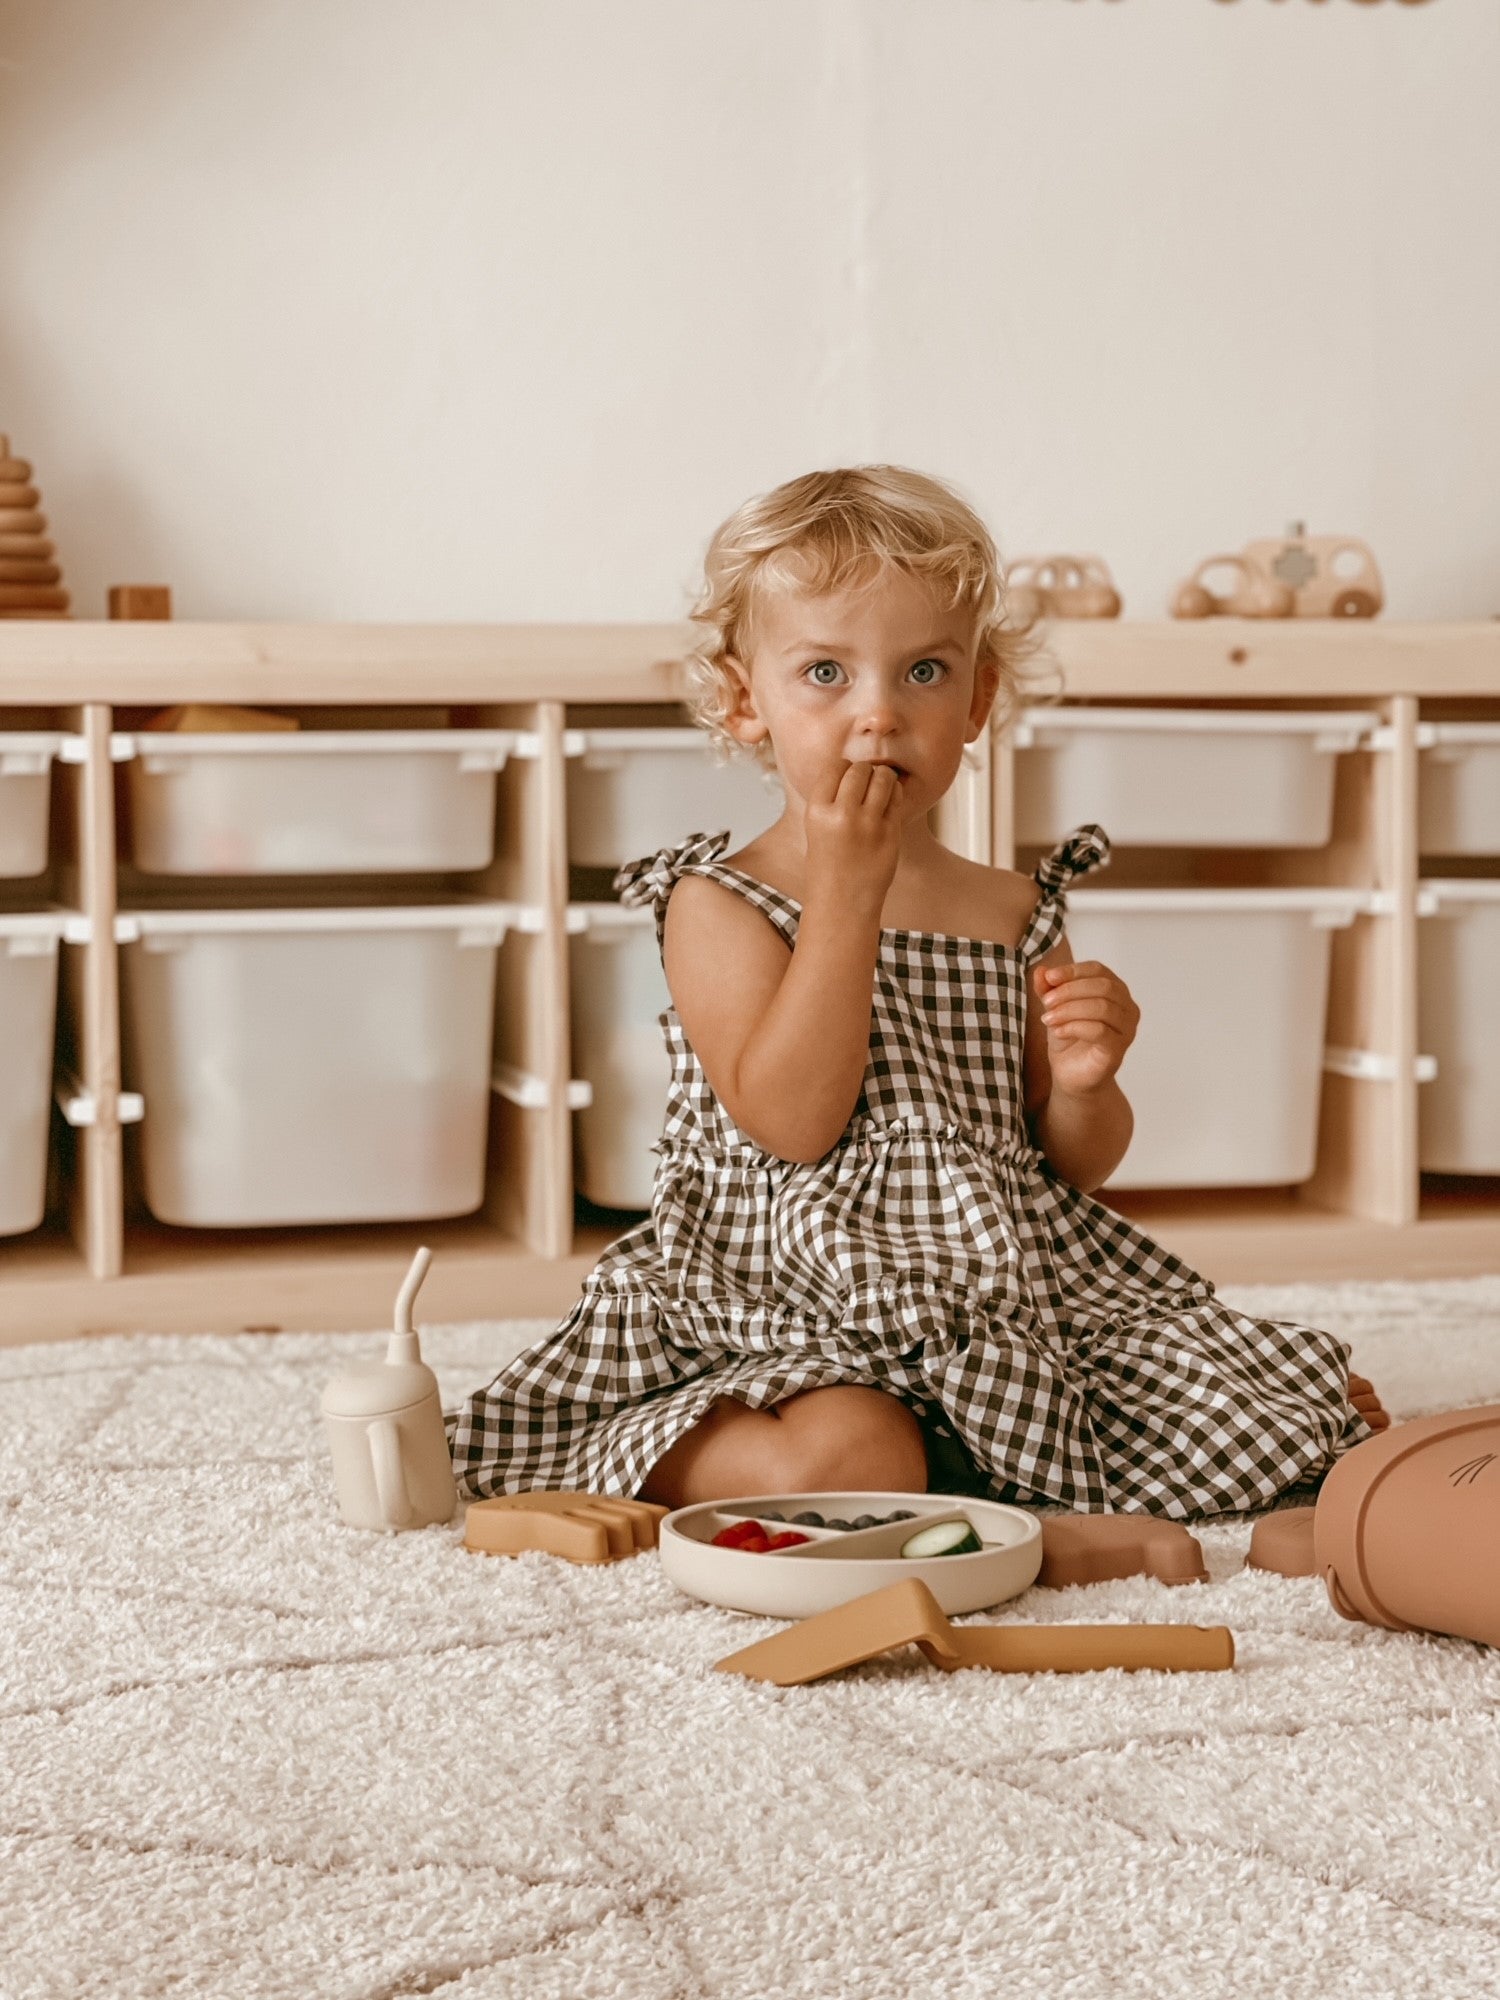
908, 1612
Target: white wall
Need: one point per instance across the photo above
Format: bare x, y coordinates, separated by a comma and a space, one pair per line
491, 309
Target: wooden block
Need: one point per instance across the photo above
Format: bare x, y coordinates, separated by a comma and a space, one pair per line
22, 521
580, 1527
30, 548
15, 569
14, 493
140, 600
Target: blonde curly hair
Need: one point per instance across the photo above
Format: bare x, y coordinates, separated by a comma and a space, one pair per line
834, 530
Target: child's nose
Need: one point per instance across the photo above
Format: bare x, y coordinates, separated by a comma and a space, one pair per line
878, 714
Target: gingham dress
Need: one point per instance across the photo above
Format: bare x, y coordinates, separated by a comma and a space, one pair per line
933, 1253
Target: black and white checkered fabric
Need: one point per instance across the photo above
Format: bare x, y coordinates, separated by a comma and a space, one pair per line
931, 1253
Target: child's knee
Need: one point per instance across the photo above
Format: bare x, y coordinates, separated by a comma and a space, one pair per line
849, 1438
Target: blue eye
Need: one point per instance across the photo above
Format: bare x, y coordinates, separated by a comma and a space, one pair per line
809, 671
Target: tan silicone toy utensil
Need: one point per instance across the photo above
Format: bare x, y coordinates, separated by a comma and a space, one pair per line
1091, 1548
1283, 1543
581, 1527
907, 1613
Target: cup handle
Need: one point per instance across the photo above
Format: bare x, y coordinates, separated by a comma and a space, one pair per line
390, 1479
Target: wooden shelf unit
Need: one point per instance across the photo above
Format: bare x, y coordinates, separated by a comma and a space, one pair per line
100, 1264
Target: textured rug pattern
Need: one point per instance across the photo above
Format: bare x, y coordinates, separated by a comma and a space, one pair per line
245, 1751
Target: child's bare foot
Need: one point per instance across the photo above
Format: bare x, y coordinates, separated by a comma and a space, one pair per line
1369, 1405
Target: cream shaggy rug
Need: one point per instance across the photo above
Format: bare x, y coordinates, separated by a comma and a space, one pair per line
245, 1751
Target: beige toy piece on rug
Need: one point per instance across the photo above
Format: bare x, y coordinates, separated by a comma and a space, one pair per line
1095, 1548
1405, 1528
907, 1613
580, 1527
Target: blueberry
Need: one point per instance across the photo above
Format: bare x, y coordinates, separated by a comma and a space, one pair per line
768, 1514
838, 1524
807, 1520
905, 1514
867, 1521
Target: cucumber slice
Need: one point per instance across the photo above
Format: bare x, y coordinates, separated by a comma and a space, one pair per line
948, 1538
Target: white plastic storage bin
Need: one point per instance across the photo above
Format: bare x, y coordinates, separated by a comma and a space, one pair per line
619, 992
28, 1017
1458, 799
302, 802
1458, 979
311, 1065
25, 796
1178, 777
631, 791
1224, 1075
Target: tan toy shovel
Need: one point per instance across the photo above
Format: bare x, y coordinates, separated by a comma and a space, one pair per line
908, 1612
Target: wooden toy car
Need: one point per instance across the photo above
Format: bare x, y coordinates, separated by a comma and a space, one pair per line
1061, 587
1329, 576
1299, 576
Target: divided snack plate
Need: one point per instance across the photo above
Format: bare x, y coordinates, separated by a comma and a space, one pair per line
837, 1564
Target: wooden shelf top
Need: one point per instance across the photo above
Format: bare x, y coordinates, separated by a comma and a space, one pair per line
128, 663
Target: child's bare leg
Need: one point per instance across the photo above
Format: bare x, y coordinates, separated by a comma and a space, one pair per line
1369, 1405
843, 1438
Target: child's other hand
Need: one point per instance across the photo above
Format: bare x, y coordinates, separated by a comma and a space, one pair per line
1090, 1020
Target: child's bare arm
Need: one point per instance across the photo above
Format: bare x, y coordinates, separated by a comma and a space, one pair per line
783, 1036
1079, 1022
786, 1055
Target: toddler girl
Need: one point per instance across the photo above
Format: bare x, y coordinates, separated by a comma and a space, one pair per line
872, 1262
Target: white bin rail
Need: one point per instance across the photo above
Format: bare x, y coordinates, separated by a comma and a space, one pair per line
25, 796
314, 801
28, 1020
1170, 777
312, 1065
1224, 1076
1458, 978
636, 790
1458, 799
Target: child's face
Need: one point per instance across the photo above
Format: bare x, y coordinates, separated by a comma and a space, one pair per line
877, 674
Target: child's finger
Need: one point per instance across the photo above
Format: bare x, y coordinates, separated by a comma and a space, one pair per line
1086, 1031
1114, 1013
1085, 968
1084, 989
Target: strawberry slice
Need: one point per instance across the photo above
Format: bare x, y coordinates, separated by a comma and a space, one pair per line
788, 1540
739, 1535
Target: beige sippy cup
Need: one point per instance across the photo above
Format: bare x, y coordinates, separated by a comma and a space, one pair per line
391, 1467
